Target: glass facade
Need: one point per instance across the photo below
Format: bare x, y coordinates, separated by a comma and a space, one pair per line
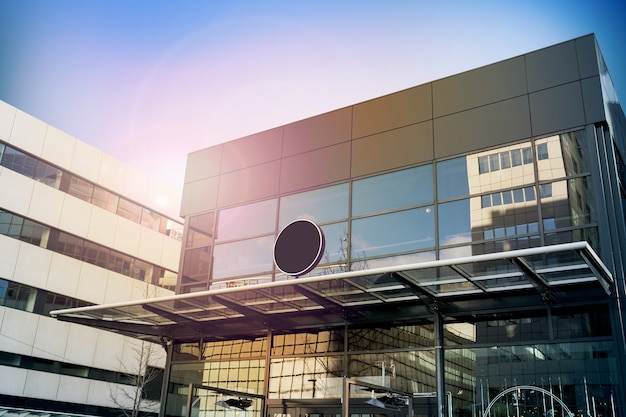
527, 194
521, 195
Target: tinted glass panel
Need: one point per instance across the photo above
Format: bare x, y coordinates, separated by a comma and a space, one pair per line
452, 178
320, 206
336, 236
197, 264
105, 199
403, 231
454, 223
19, 162
80, 188
151, 220
243, 258
570, 204
129, 210
400, 189
201, 230
249, 220
48, 174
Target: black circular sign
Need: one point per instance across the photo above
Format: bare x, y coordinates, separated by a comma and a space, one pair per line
299, 247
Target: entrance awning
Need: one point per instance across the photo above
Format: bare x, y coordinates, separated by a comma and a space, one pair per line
460, 289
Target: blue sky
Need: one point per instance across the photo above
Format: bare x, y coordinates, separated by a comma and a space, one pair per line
149, 81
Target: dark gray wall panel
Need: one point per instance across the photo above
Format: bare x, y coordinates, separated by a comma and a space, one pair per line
479, 87
199, 196
317, 132
557, 109
252, 150
482, 127
392, 111
389, 150
316, 168
552, 66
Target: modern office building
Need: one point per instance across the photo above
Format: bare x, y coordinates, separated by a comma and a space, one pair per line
472, 261
77, 228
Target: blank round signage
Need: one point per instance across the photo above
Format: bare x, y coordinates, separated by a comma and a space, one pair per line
299, 247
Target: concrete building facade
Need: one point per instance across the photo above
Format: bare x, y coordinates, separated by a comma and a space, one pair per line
77, 228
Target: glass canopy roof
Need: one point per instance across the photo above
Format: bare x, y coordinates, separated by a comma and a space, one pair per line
459, 289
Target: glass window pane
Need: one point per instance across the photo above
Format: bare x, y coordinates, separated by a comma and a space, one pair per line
249, 220
245, 257
505, 160
129, 210
527, 155
70, 245
320, 206
496, 199
485, 201
19, 162
452, 178
507, 198
454, 223
494, 162
34, 233
545, 190
542, 151
570, 204
105, 199
150, 219
48, 174
80, 188
402, 231
518, 195
197, 264
529, 192
409, 187
483, 165
516, 157
201, 230
336, 237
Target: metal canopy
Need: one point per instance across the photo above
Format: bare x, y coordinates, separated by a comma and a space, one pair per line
460, 289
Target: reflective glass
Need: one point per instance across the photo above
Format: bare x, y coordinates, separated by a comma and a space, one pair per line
579, 375
571, 203
452, 178
245, 257
196, 264
129, 210
505, 160
516, 157
404, 371
494, 162
306, 377
563, 155
105, 199
454, 222
409, 187
320, 206
151, 220
398, 232
10, 224
201, 230
48, 174
397, 337
245, 221
80, 188
18, 161
483, 164
336, 248
304, 343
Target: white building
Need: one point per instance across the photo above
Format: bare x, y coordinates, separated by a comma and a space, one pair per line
77, 227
